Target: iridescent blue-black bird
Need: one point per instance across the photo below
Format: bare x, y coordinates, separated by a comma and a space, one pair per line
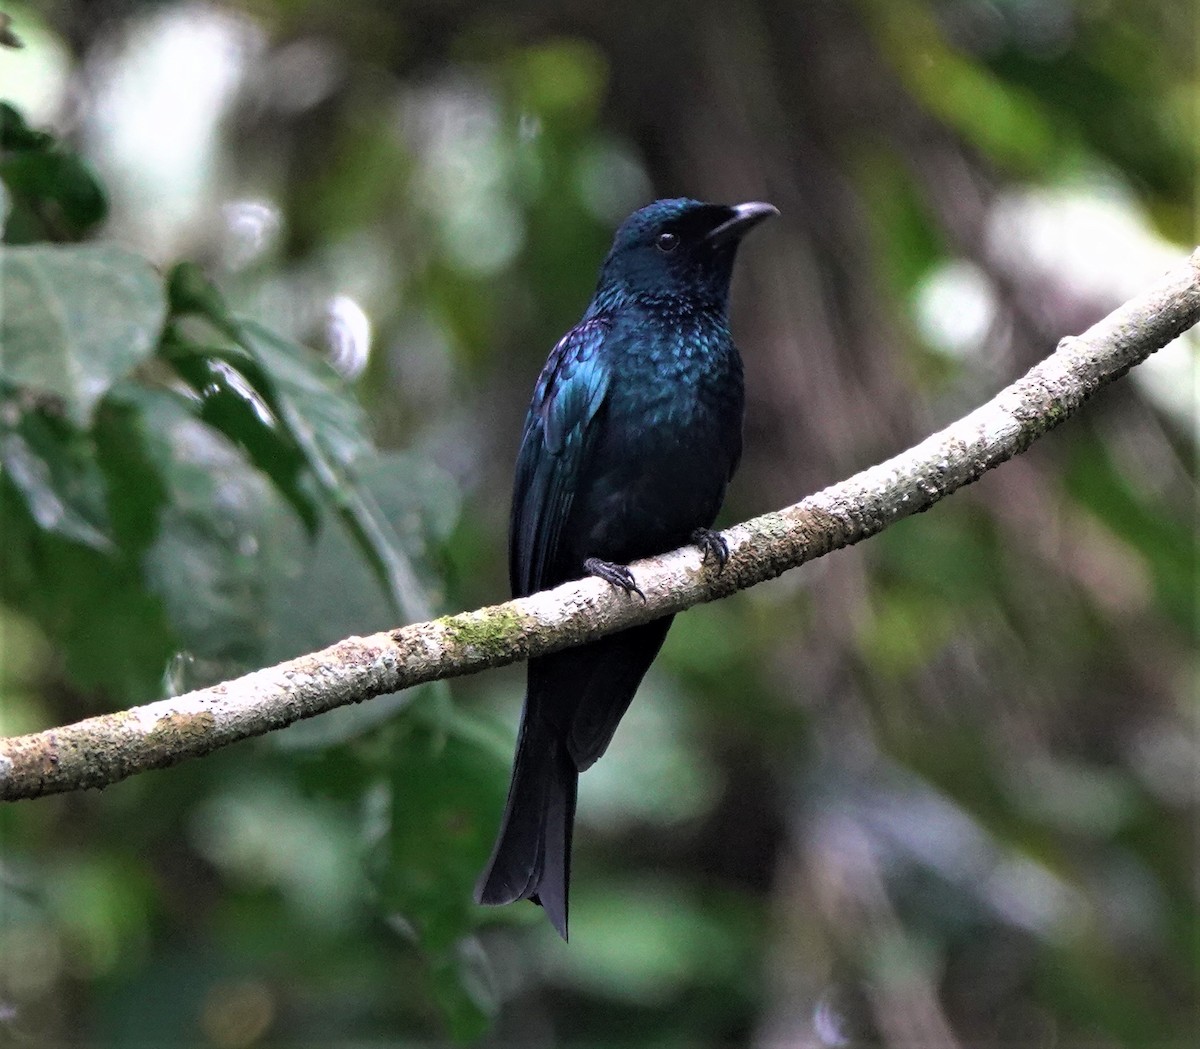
634, 431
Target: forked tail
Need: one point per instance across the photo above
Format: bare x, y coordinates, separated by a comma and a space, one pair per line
532, 856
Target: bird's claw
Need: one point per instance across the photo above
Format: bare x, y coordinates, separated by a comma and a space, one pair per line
617, 575
713, 543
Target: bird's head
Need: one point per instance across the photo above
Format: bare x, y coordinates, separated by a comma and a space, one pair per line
679, 247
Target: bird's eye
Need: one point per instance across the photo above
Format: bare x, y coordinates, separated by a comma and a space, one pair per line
667, 242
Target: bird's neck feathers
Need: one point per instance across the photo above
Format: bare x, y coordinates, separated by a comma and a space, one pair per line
704, 294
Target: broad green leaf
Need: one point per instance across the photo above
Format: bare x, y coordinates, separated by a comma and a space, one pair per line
189, 291
326, 426
66, 564
312, 398
113, 635
447, 792
75, 320
331, 592
54, 469
463, 986
63, 186
211, 556
320, 417
15, 134
229, 404
137, 491
54, 193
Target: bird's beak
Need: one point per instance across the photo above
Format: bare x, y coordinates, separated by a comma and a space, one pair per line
742, 219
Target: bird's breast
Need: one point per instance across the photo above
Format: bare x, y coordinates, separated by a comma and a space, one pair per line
669, 438
682, 387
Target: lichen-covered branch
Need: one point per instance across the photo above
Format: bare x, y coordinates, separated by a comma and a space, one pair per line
106, 749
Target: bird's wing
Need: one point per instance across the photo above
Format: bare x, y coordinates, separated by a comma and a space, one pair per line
559, 431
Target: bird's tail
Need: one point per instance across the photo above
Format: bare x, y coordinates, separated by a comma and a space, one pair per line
532, 856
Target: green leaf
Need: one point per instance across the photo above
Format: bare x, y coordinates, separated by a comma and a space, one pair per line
189, 291
54, 193
464, 988
53, 467
310, 396
113, 635
211, 557
321, 418
15, 134
63, 186
229, 404
328, 427
136, 489
330, 593
447, 792
76, 320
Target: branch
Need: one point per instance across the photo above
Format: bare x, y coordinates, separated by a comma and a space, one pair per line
106, 749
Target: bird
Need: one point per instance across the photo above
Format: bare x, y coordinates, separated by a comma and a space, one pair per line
632, 435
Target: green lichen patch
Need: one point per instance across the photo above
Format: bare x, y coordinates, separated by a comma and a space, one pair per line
491, 635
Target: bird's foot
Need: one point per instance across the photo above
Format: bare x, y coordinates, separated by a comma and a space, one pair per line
713, 543
617, 575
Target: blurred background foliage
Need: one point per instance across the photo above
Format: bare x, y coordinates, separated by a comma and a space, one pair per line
278, 278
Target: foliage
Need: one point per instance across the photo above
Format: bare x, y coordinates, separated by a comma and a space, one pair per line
165, 465
940, 783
